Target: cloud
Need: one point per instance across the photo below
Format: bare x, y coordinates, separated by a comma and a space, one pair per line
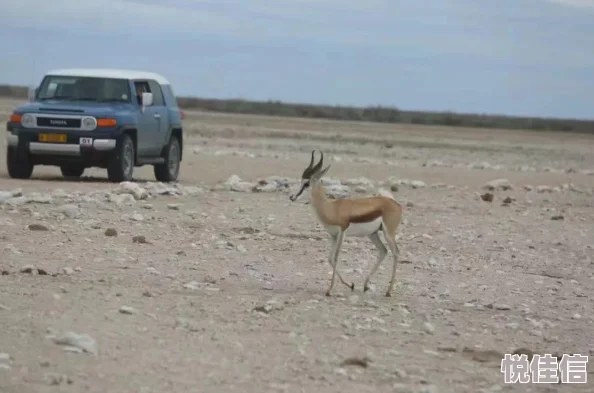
110, 15
419, 29
369, 24
574, 3
242, 20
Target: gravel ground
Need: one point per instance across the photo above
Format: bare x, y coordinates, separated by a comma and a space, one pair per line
216, 283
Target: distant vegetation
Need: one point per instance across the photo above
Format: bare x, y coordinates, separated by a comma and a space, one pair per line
373, 114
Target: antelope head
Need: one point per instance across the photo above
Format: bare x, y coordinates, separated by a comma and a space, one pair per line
311, 175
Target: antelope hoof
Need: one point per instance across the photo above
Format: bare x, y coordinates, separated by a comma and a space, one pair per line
327, 293
365, 288
388, 294
352, 286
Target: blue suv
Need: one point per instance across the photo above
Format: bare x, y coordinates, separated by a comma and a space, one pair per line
112, 119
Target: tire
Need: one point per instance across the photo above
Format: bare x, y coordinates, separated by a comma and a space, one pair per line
169, 171
120, 166
18, 164
72, 171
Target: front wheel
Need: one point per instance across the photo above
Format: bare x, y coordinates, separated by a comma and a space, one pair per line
121, 162
169, 171
18, 164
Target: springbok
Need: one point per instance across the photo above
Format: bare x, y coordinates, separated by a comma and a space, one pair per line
353, 217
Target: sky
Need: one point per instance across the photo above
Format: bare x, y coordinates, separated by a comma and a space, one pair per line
513, 57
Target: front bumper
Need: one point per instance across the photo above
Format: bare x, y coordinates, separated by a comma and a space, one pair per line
69, 149
71, 152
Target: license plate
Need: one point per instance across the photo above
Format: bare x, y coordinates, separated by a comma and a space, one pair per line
53, 138
86, 141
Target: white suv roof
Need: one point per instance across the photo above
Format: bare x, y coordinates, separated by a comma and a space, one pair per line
110, 73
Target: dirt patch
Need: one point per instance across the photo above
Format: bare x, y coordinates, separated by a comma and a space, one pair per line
174, 288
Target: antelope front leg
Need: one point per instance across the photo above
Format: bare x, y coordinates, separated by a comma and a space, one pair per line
333, 244
337, 245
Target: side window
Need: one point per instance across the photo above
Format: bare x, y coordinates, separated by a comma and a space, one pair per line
157, 93
141, 87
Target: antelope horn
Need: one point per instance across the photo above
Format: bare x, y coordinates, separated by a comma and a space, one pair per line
312, 159
319, 164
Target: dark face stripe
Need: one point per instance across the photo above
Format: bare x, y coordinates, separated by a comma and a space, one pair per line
303, 187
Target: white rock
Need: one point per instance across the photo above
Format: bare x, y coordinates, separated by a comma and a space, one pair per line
133, 189
74, 342
498, 184
68, 270
418, 184
127, 310
428, 327
234, 183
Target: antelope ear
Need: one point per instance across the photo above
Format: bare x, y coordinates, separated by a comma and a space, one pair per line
323, 171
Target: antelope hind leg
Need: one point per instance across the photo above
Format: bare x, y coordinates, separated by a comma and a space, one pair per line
391, 240
383, 251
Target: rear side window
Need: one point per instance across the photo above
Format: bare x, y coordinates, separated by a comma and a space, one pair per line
157, 93
149, 86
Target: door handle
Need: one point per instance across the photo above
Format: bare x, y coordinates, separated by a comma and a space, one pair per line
157, 116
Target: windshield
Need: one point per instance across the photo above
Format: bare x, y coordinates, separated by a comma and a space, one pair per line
79, 88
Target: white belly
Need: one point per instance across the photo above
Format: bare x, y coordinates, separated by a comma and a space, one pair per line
358, 230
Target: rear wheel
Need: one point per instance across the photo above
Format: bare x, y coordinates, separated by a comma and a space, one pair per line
168, 171
18, 163
121, 162
72, 171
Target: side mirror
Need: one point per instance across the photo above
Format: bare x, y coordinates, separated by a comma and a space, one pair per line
147, 99
31, 93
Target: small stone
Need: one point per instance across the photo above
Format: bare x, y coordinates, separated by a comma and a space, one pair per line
54, 379
127, 310
498, 184
192, 285
210, 279
68, 271
265, 309
139, 239
137, 217
173, 206
340, 371
557, 218
77, 343
27, 269
111, 232
428, 328
487, 197
501, 307
357, 361
37, 227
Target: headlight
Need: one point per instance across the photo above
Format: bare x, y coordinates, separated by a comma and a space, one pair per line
28, 120
89, 123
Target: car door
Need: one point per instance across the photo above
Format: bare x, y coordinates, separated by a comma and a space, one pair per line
148, 122
163, 114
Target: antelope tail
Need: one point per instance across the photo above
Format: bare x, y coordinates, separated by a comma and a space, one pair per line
385, 193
